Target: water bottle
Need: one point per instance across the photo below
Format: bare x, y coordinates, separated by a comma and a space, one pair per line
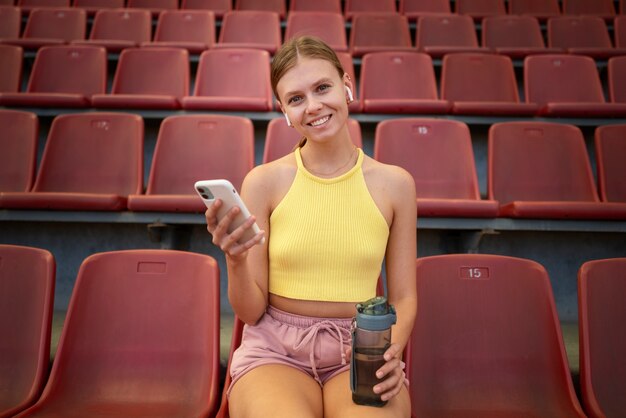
371, 337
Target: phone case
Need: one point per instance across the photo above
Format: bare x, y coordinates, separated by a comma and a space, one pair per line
209, 190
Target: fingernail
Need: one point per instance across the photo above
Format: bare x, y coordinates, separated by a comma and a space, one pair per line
379, 374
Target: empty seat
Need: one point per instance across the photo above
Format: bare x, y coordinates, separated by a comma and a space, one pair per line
91, 161
92, 6
148, 78
331, 6
7, 2
515, 36
235, 342
601, 283
542, 170
482, 84
440, 35
489, 323
617, 79
18, 150
399, 82
583, 35
154, 6
601, 8
281, 139
276, 6
375, 32
250, 29
27, 278
479, 9
192, 148
329, 27
141, 338
52, 26
353, 7
610, 146
416, 8
120, 28
567, 85
438, 154
28, 5
63, 76
10, 22
10, 68
218, 7
193, 30
232, 79
541, 9
619, 31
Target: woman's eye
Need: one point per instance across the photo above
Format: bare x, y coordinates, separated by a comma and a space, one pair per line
293, 99
323, 87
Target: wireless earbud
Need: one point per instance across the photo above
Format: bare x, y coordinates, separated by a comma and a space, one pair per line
349, 92
287, 119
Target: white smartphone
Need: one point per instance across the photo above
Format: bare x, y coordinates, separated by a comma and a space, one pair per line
209, 190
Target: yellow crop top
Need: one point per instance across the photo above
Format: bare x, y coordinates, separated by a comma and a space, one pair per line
327, 238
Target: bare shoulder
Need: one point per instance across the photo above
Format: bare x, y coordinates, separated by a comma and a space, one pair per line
269, 181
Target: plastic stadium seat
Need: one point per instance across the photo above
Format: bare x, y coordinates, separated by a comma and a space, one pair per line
348, 66
92, 161
619, 31
478, 9
328, 26
567, 85
487, 341
601, 285
10, 22
541, 9
27, 278
154, 6
232, 79
148, 78
7, 2
28, 5
413, 9
602, 8
63, 76
193, 30
276, 6
331, 6
582, 35
118, 29
515, 36
10, 68
438, 154
440, 35
235, 342
353, 7
51, 26
281, 139
92, 6
376, 32
218, 7
542, 170
399, 82
250, 29
18, 150
610, 146
140, 339
482, 84
192, 148
617, 79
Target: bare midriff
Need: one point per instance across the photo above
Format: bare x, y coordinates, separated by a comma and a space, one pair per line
313, 308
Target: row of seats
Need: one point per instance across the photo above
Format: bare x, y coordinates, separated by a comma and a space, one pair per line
389, 82
195, 30
94, 161
488, 321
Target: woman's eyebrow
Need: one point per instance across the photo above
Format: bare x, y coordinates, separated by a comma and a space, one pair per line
316, 83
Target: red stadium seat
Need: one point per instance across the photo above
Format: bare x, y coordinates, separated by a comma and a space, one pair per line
18, 150
487, 341
540, 9
28, 5
610, 146
92, 161
235, 342
193, 30
140, 339
232, 79
567, 85
617, 79
601, 8
399, 82
482, 84
353, 7
92, 6
478, 9
440, 35
51, 26
208, 147
10, 68
148, 78
515, 36
10, 22
329, 27
331, 6
601, 285
582, 35
120, 28
154, 6
27, 278
276, 6
218, 7
7, 2
281, 140
250, 29
63, 76
438, 154
348, 66
619, 31
376, 32
413, 9
542, 170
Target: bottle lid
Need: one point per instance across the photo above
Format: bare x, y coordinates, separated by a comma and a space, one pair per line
375, 314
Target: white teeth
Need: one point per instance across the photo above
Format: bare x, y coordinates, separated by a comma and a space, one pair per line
320, 121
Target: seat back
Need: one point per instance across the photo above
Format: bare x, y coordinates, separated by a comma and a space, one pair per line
354, 7
589, 7
207, 146
330, 6
578, 32
10, 22
27, 278
154, 6
414, 8
601, 283
96, 152
276, 6
438, 154
541, 9
610, 146
218, 7
65, 24
562, 78
186, 26
512, 31
28, 5
18, 150
489, 323
10, 68
538, 161
617, 79
386, 31
92, 6
251, 28
619, 30
122, 25
478, 9
452, 30
328, 26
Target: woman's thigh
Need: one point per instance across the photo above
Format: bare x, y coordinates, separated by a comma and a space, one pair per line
276, 390
338, 402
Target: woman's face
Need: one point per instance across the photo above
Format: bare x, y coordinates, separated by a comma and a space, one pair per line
314, 97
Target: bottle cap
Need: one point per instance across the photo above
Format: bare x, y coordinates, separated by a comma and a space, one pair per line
375, 314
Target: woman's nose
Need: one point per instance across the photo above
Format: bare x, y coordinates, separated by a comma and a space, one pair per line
313, 104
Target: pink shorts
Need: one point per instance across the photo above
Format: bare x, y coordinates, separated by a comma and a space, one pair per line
316, 346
